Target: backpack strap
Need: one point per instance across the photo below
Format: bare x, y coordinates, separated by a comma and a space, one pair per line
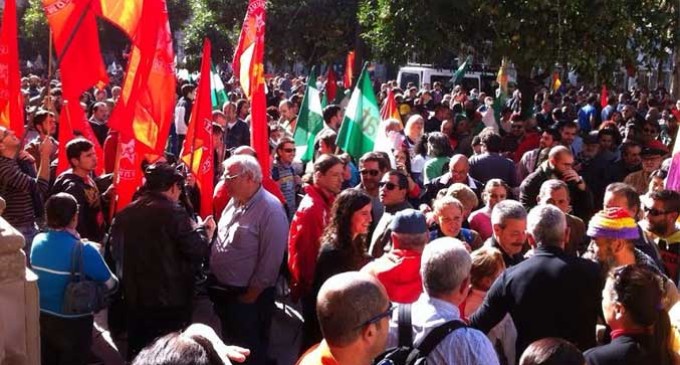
437, 335
405, 330
77, 262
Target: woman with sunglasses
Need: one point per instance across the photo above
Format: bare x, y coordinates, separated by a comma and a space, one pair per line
343, 248
631, 303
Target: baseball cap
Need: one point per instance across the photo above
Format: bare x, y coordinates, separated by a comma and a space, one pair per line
409, 221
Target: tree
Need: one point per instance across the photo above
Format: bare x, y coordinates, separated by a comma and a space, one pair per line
593, 36
34, 32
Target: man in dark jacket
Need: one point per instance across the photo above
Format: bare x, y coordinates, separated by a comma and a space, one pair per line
459, 172
78, 181
550, 294
560, 165
157, 249
237, 132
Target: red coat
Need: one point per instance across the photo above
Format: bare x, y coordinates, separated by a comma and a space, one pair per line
399, 273
304, 240
528, 143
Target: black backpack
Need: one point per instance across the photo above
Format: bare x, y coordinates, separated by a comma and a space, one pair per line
409, 353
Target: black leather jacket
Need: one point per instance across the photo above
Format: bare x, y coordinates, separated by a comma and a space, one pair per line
157, 249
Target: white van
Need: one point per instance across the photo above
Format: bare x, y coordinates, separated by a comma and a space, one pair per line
476, 78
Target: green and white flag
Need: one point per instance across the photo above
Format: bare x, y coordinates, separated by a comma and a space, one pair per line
217, 94
362, 118
460, 72
310, 120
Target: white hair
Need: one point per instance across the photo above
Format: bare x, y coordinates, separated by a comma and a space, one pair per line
547, 225
549, 186
444, 265
248, 164
507, 209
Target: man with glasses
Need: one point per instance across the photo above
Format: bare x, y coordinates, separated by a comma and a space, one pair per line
459, 169
372, 167
20, 190
661, 212
445, 268
284, 174
393, 193
353, 313
246, 257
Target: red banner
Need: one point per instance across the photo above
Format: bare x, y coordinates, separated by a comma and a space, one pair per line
11, 100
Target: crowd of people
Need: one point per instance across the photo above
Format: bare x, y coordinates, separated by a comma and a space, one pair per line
494, 235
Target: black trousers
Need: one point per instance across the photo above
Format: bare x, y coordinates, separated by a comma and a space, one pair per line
65, 341
144, 326
246, 324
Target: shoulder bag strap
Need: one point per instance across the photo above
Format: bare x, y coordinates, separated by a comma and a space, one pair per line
405, 329
76, 261
437, 335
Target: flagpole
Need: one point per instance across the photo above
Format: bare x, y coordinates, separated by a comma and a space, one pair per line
114, 199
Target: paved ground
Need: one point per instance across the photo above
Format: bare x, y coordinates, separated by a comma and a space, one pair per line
284, 341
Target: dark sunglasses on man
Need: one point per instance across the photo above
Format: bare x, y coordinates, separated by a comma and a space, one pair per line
388, 185
373, 173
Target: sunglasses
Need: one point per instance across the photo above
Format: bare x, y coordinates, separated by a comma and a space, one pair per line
388, 185
653, 211
288, 150
373, 173
378, 317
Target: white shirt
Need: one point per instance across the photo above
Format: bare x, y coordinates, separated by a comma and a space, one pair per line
464, 346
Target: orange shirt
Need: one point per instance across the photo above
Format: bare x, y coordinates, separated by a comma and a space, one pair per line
318, 355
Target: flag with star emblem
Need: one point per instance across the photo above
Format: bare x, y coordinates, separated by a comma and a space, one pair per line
247, 63
11, 99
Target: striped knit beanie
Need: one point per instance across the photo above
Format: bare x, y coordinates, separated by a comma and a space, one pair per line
613, 223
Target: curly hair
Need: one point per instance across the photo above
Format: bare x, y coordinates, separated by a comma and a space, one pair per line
338, 231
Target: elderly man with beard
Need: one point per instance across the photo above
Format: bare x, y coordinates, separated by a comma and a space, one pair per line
613, 232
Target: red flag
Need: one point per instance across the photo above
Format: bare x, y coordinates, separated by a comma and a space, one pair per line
148, 95
331, 84
246, 57
197, 152
72, 123
349, 70
11, 99
389, 109
76, 41
604, 96
128, 174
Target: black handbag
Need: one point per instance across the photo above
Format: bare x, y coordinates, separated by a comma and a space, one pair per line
82, 296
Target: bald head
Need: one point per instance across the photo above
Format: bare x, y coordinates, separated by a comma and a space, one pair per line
557, 152
459, 166
244, 150
347, 301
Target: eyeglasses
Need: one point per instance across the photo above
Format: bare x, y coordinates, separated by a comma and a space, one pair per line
377, 318
232, 177
373, 173
288, 150
388, 185
653, 211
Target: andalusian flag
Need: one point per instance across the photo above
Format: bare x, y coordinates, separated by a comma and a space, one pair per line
310, 120
460, 72
362, 118
217, 94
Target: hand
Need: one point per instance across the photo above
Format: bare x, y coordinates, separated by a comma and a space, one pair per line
237, 354
111, 191
209, 225
46, 148
25, 156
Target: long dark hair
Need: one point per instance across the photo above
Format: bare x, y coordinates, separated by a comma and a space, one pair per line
640, 290
338, 232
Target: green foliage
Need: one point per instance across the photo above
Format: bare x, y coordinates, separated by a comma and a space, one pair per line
34, 31
594, 36
208, 20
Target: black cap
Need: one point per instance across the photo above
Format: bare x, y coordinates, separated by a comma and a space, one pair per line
590, 138
162, 176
